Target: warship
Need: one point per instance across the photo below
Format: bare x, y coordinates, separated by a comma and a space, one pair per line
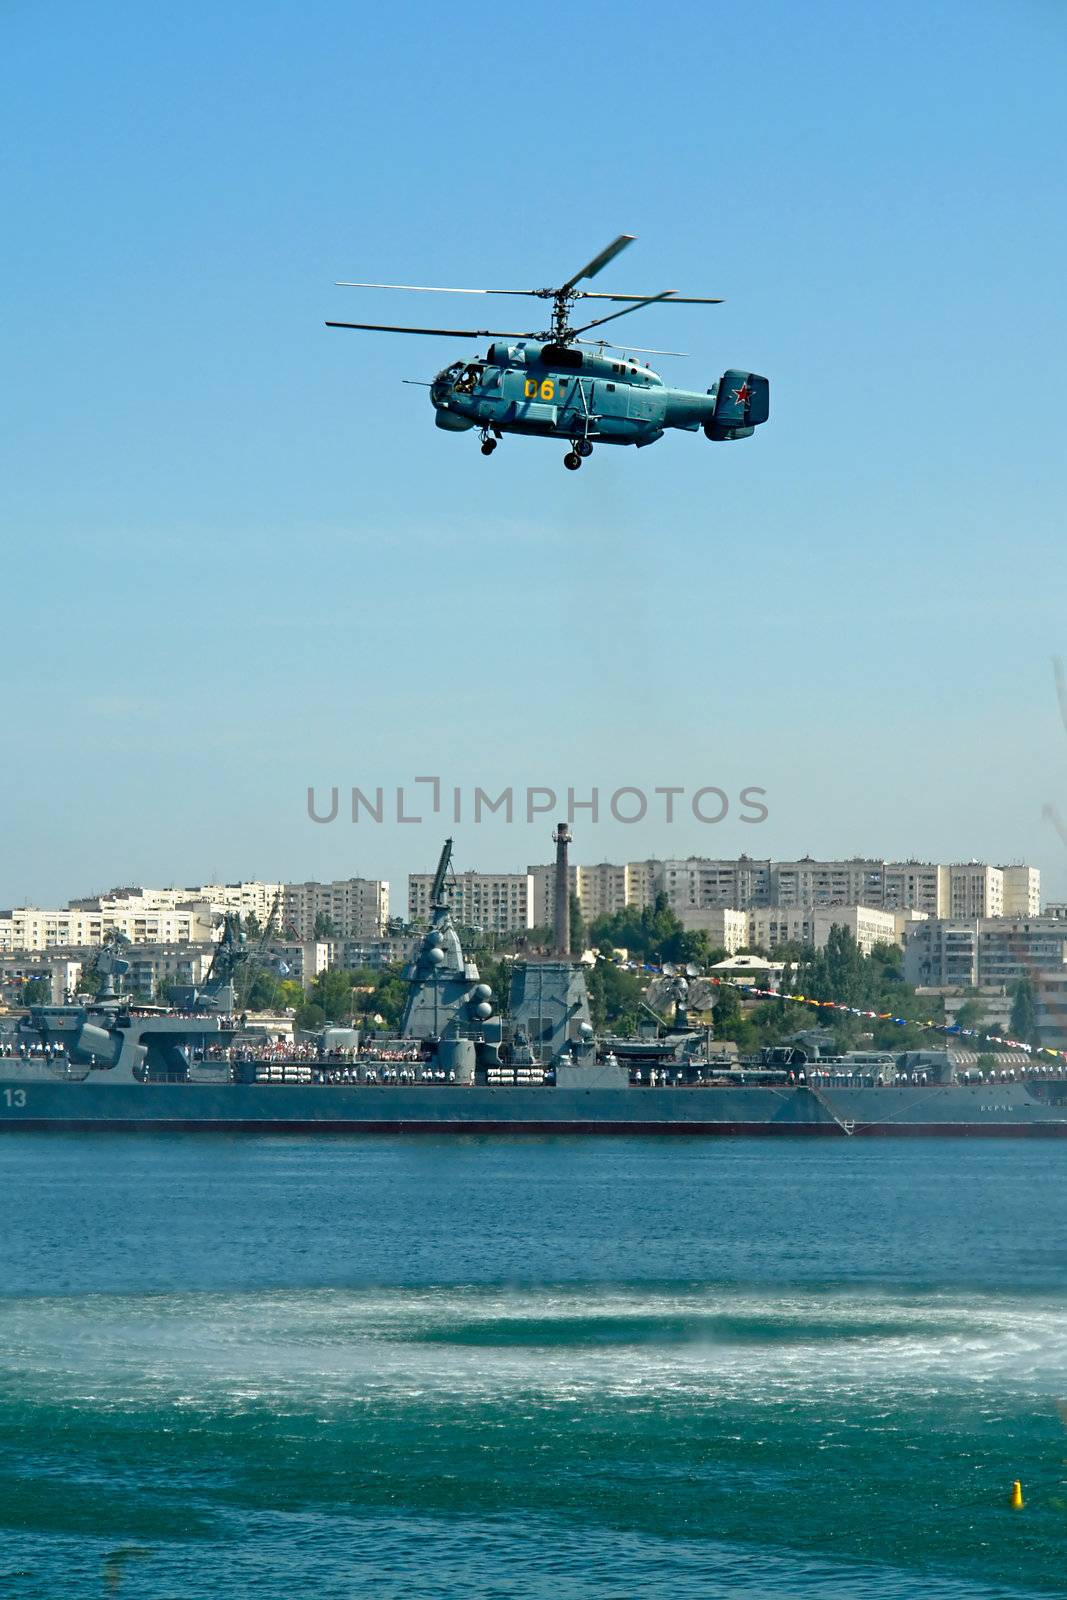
460, 1065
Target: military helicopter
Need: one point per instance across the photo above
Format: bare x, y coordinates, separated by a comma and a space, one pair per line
556, 385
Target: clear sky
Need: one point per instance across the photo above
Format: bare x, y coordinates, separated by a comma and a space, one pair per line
238, 558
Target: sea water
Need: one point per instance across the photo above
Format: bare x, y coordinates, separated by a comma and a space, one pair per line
531, 1367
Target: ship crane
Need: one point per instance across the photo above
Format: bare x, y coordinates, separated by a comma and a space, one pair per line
437, 889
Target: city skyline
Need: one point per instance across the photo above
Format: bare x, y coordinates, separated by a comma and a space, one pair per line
519, 863
782, 883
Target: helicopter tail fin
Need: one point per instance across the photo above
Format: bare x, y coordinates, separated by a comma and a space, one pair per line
742, 402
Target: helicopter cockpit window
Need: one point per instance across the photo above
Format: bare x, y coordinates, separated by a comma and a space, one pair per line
468, 377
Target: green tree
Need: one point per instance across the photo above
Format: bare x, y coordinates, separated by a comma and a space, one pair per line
332, 990
794, 951
615, 998
263, 992
251, 926
324, 928
649, 933
390, 995
577, 925
289, 995
970, 1014
727, 1011
896, 1037
1023, 1024
497, 974
310, 1018
36, 992
837, 972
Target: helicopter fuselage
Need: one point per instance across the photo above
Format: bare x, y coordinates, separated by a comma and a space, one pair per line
560, 392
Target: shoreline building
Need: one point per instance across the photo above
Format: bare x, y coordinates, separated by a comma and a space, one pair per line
958, 889
498, 902
772, 926
30, 928
983, 952
353, 908
250, 898
602, 889
746, 883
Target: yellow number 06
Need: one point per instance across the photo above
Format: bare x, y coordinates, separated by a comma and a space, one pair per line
547, 389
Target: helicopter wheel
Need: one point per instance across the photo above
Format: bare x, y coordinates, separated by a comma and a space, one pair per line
584, 447
488, 446
572, 461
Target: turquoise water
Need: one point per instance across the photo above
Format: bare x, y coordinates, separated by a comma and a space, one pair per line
531, 1367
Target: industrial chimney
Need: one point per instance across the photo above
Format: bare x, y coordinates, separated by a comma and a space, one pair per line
562, 838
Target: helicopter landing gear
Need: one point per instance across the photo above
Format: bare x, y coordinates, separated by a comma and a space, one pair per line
488, 446
584, 447
572, 461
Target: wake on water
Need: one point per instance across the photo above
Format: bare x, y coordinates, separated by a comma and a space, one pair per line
657, 1341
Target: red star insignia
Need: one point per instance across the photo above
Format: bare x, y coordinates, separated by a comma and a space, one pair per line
742, 395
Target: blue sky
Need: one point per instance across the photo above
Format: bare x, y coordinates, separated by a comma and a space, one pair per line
238, 559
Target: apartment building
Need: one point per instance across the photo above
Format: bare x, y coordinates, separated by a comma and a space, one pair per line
602, 889
30, 928
248, 898
356, 908
961, 889
771, 926
726, 929
352, 908
983, 951
499, 902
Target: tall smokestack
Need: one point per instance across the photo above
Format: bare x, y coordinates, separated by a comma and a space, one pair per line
562, 838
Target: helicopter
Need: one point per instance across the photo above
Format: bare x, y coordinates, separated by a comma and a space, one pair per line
556, 385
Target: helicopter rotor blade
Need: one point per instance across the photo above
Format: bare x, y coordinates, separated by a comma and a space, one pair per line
591, 268
428, 288
675, 299
638, 349
447, 333
645, 300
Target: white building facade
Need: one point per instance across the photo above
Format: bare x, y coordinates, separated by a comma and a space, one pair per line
771, 926
30, 928
498, 902
353, 908
984, 952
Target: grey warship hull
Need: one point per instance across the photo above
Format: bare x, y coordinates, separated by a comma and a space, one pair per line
955, 1109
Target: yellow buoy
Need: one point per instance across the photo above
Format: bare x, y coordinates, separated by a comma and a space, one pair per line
1016, 1496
